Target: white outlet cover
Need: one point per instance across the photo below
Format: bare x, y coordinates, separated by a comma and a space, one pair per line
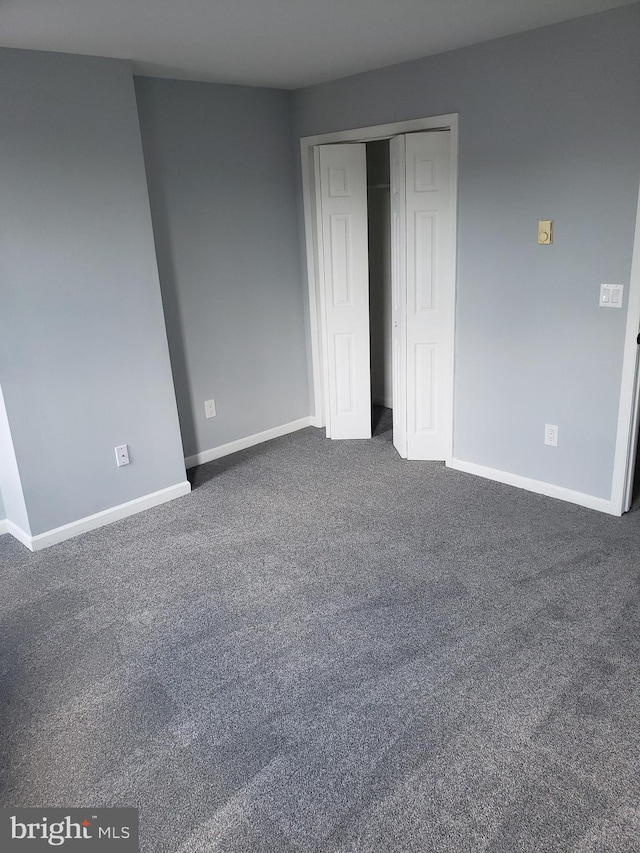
122, 455
611, 295
551, 434
210, 408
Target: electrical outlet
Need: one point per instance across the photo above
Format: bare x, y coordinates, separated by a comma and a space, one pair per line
122, 455
551, 434
210, 408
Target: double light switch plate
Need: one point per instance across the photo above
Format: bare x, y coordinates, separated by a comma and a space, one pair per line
611, 295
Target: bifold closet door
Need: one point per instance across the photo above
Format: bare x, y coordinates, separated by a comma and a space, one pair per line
425, 293
397, 163
344, 270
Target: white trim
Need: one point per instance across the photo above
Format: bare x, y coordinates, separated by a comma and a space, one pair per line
19, 534
98, 519
449, 122
321, 396
309, 180
380, 131
537, 486
249, 441
455, 156
624, 459
4, 526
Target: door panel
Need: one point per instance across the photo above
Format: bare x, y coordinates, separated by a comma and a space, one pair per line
345, 271
398, 293
430, 295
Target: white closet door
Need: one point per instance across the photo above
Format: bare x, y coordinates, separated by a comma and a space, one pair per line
430, 295
398, 293
344, 267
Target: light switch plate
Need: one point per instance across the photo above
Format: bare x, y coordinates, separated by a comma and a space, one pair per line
611, 295
545, 232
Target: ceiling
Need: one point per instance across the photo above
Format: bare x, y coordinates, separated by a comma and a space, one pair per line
281, 43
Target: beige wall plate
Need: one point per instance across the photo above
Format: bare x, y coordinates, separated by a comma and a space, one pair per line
545, 232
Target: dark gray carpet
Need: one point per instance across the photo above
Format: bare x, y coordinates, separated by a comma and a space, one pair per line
325, 648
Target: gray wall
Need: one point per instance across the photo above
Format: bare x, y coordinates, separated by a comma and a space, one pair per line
84, 364
221, 175
549, 128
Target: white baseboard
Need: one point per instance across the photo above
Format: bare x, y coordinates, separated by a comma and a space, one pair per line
3, 526
99, 519
249, 441
19, 534
537, 486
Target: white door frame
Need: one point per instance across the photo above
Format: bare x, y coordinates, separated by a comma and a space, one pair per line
629, 406
309, 183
